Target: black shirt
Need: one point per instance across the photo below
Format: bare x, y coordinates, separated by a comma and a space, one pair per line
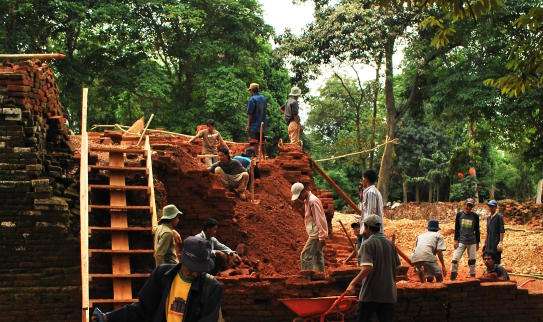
494, 227
500, 272
231, 167
466, 228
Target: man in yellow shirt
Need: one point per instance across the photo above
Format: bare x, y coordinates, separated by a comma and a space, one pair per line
165, 239
176, 293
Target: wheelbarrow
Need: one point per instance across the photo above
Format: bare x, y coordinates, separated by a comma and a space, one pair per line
317, 309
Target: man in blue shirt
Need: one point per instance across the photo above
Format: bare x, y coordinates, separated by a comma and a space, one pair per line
256, 111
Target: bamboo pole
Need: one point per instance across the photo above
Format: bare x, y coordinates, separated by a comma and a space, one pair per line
84, 210
334, 185
145, 129
53, 56
150, 181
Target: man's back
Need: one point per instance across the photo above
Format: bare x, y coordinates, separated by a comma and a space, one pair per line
257, 109
380, 284
428, 243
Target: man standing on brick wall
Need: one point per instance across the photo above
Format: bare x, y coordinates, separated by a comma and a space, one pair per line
428, 245
166, 238
256, 112
495, 230
211, 139
312, 257
467, 235
292, 116
379, 261
221, 254
494, 271
176, 293
232, 174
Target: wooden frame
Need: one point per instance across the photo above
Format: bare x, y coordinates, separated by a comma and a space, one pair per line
150, 181
84, 209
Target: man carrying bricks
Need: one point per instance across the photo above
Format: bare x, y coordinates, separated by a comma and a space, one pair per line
495, 230
166, 238
211, 139
494, 271
312, 257
466, 237
175, 293
428, 245
232, 174
379, 261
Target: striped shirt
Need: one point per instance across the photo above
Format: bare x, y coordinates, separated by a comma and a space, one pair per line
315, 219
372, 204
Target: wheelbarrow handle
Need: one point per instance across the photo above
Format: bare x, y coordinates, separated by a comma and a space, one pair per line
336, 302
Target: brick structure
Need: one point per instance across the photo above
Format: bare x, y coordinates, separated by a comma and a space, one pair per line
39, 243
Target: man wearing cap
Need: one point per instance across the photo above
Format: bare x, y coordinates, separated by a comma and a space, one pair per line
211, 139
256, 111
220, 253
232, 174
175, 293
165, 240
292, 117
428, 245
379, 261
467, 236
495, 230
312, 257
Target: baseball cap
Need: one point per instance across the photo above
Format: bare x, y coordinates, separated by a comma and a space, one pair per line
296, 189
470, 201
492, 203
197, 254
372, 221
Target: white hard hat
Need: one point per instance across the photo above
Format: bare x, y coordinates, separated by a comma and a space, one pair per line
296, 189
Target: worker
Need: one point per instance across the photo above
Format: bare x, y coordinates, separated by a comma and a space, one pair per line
232, 174
494, 271
495, 231
427, 246
371, 199
466, 237
356, 231
312, 256
379, 262
221, 254
256, 111
211, 139
292, 116
175, 293
165, 239
246, 157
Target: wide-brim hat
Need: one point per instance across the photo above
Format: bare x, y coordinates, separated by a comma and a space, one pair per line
296, 190
196, 254
295, 91
170, 212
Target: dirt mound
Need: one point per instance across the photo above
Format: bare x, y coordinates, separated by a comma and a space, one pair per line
527, 213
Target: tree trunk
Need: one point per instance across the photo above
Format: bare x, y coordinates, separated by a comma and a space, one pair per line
437, 191
385, 170
417, 192
405, 189
492, 191
430, 192
374, 118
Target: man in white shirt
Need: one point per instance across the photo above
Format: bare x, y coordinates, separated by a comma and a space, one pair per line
371, 199
429, 245
312, 257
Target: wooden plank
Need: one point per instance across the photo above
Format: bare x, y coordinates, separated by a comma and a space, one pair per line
119, 170
122, 289
114, 187
118, 208
120, 252
127, 229
115, 149
14, 57
112, 276
150, 181
84, 210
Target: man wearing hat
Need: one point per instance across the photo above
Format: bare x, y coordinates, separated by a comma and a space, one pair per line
428, 245
165, 236
256, 111
379, 261
467, 236
175, 293
495, 230
292, 117
312, 257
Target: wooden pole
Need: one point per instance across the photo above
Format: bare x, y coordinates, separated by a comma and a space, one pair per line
260, 157
334, 185
84, 209
150, 181
145, 129
347, 235
54, 56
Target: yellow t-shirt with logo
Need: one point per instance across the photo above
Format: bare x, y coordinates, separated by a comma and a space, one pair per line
176, 304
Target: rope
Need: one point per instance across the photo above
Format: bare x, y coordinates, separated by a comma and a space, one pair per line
395, 141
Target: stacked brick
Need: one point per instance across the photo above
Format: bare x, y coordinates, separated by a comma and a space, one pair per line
39, 245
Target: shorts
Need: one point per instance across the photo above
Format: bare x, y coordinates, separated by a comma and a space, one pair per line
429, 268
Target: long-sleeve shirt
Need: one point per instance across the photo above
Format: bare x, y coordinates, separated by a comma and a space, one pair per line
216, 245
494, 228
291, 110
466, 228
256, 109
231, 167
165, 252
372, 204
315, 219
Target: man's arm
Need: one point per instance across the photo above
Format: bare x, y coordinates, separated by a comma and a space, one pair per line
198, 135
164, 243
366, 269
212, 304
501, 229
213, 166
218, 246
442, 261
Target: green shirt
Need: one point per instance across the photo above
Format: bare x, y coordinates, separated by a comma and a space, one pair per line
165, 252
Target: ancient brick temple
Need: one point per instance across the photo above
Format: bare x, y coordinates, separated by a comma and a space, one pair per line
39, 224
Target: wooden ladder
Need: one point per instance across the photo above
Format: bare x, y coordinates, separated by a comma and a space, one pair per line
119, 229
